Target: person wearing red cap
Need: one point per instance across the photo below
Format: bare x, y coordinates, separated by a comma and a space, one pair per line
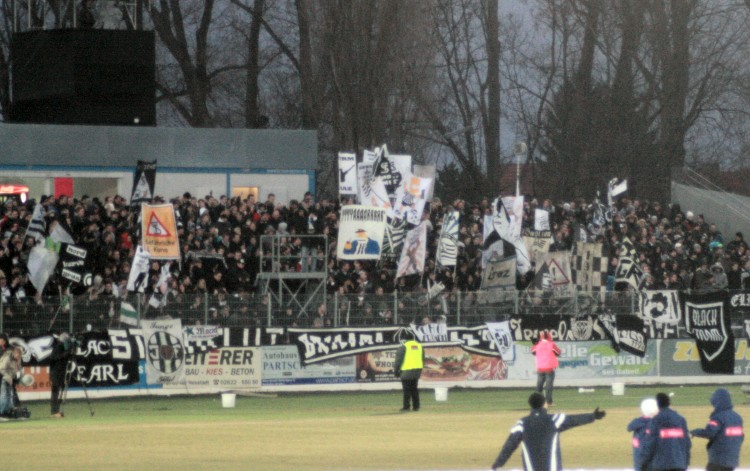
546, 352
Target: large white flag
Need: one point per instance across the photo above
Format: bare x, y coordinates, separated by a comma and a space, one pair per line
541, 220
165, 351
414, 252
42, 262
138, 278
503, 339
159, 297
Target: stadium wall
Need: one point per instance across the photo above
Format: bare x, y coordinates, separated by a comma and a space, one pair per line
102, 159
279, 369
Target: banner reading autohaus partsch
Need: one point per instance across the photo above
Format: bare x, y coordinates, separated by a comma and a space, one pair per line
707, 320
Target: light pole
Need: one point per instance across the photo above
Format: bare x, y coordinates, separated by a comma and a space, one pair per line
519, 149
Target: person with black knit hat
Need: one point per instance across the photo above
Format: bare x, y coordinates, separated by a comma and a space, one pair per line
540, 434
666, 445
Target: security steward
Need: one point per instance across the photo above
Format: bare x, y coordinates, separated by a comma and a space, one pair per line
408, 366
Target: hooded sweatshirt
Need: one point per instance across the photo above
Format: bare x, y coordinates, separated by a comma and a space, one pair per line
724, 431
546, 354
639, 425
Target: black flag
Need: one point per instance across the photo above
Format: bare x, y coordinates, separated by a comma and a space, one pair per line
143, 182
707, 321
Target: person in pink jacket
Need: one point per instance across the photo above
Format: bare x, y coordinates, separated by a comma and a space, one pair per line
546, 353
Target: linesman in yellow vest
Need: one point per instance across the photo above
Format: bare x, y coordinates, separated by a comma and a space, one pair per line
408, 367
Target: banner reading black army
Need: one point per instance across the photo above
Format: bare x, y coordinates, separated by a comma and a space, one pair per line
707, 320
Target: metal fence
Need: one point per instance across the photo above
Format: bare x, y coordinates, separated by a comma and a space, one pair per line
96, 311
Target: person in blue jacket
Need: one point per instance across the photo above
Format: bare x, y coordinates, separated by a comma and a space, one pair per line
539, 432
639, 425
724, 432
666, 443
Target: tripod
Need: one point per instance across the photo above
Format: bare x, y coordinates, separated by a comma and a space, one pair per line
69, 369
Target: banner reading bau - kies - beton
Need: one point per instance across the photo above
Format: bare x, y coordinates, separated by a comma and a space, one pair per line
159, 231
361, 233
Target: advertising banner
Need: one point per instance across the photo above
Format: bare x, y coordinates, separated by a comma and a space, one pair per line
282, 365
456, 364
441, 364
224, 368
587, 360
376, 366
680, 357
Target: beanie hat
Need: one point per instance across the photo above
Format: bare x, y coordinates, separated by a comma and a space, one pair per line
649, 408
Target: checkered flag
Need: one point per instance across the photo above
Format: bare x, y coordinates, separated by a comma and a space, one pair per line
589, 267
195, 346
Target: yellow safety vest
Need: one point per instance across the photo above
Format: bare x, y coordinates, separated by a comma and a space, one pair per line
413, 356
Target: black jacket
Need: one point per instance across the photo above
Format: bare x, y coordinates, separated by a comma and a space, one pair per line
58, 362
540, 434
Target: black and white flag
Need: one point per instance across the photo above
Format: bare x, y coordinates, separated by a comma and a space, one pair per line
628, 272
347, 174
447, 250
144, 180
75, 265
37, 226
503, 339
707, 321
615, 188
660, 307
138, 278
626, 332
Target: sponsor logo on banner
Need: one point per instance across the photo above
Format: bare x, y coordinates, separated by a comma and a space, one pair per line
282, 365
159, 231
228, 367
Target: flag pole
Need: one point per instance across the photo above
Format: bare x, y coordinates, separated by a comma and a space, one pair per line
520, 150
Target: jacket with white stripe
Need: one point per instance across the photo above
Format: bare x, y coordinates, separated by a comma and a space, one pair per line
539, 436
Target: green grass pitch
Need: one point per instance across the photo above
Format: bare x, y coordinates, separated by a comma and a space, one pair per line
330, 431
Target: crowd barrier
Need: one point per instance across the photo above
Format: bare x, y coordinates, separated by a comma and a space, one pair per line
209, 359
97, 312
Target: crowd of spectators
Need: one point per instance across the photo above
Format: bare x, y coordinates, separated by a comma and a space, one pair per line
221, 245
